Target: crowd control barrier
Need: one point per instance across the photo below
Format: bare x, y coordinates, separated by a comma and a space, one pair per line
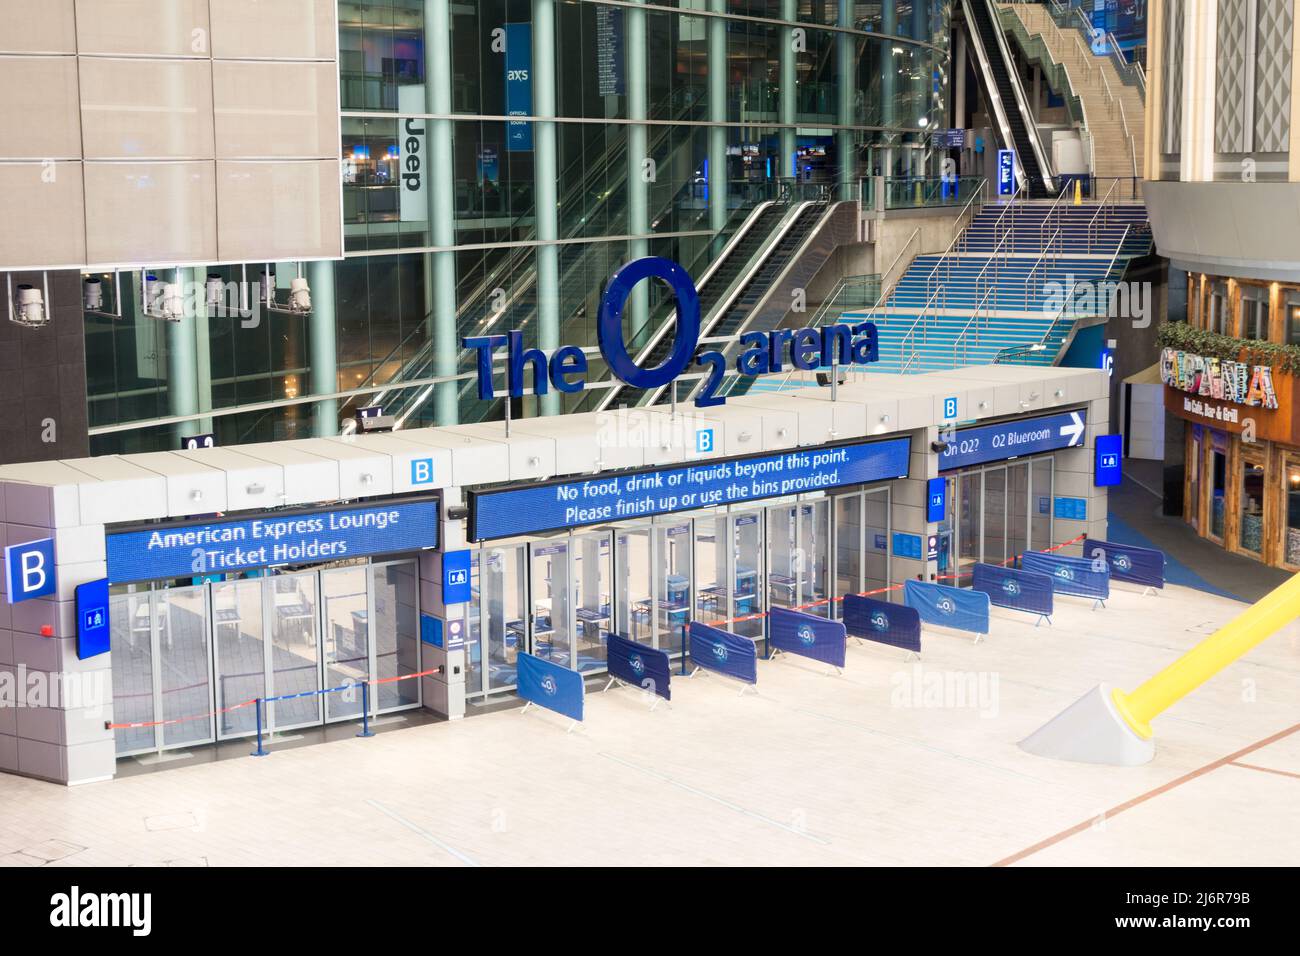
639, 665
1080, 577
946, 606
807, 635
894, 624
713, 649
1028, 591
541, 683
1144, 566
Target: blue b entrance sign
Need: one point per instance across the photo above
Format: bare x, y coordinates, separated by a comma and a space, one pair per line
29, 570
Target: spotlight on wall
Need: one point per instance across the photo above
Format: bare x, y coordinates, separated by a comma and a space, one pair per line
28, 304
213, 289
92, 294
93, 290
299, 302
161, 299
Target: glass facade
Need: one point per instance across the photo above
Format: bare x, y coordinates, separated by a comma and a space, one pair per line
642, 129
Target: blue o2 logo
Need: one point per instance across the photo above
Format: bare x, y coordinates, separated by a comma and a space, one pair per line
1122, 562
549, 686
720, 651
637, 663
1011, 586
1065, 574
880, 621
806, 636
945, 606
565, 369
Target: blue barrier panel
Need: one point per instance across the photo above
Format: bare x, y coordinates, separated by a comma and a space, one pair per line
1144, 566
1017, 589
807, 635
895, 624
1069, 575
724, 652
948, 606
640, 665
550, 685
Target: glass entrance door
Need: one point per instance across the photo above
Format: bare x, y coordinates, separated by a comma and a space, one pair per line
745, 571
551, 611
592, 581
290, 602
499, 612
240, 639
345, 599
784, 561
395, 634
814, 536
672, 563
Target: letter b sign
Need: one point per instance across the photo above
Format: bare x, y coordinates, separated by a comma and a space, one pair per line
29, 570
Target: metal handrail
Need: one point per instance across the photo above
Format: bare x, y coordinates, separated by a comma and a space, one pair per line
1041, 258
957, 234
886, 289
920, 320
980, 307
1103, 206
993, 262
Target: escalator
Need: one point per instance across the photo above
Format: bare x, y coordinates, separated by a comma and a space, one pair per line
1007, 99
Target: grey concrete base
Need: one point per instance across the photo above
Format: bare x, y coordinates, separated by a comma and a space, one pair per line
1090, 730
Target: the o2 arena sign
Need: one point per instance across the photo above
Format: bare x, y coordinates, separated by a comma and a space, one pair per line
762, 352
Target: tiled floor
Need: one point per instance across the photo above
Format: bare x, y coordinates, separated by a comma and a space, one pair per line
890, 763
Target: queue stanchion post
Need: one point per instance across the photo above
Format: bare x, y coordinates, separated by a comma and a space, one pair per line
685, 644
365, 710
260, 751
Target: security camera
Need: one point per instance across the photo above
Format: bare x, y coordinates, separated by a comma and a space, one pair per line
92, 294
299, 296
938, 447
267, 285
212, 291
29, 307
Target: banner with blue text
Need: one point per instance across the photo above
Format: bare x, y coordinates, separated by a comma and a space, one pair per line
1014, 588
554, 505
947, 606
894, 624
807, 635
640, 665
274, 538
724, 652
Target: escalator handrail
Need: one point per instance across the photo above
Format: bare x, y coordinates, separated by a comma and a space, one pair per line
1000, 108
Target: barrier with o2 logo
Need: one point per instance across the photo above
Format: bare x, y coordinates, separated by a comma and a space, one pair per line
946, 606
1019, 590
894, 624
807, 635
1145, 566
640, 665
1080, 577
717, 650
550, 685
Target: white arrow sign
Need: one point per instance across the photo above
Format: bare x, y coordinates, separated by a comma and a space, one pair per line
1074, 430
